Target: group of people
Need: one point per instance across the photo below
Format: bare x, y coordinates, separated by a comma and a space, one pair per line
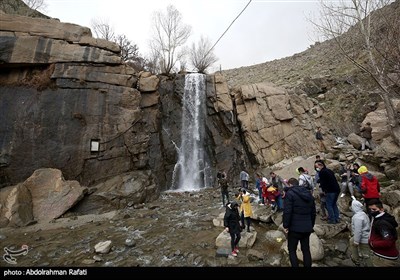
374, 234
270, 192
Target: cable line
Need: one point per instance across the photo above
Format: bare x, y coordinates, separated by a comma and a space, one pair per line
227, 28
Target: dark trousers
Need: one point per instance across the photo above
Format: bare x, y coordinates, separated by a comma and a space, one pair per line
293, 239
235, 238
331, 206
225, 193
242, 218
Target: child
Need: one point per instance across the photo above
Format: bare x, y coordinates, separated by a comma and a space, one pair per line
272, 196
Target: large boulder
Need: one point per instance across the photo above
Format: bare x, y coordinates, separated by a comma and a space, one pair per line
246, 241
44, 196
51, 195
121, 191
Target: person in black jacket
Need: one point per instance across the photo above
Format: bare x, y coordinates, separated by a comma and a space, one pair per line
298, 221
232, 225
383, 236
330, 186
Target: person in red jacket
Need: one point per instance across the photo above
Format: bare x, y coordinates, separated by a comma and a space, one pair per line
383, 236
370, 187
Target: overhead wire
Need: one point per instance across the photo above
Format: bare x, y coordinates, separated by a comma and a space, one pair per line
226, 30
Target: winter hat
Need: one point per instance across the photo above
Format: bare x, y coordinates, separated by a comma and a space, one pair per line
362, 169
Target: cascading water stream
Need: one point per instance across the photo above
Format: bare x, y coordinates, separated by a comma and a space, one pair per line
192, 171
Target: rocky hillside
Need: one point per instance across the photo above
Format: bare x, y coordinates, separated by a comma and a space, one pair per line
322, 69
18, 7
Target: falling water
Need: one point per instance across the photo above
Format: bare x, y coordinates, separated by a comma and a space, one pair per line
192, 171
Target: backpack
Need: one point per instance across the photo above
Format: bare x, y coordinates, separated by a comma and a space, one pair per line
308, 182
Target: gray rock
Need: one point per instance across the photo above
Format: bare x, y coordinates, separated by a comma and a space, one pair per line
222, 252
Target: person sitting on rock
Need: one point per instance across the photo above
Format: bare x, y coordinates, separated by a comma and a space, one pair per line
346, 180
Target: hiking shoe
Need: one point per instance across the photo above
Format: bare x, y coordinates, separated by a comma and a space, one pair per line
236, 250
234, 253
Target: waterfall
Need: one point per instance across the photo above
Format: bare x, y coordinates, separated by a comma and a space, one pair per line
192, 171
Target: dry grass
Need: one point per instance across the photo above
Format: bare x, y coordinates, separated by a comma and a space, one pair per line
39, 77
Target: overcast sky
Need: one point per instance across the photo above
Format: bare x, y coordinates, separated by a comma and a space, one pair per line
265, 31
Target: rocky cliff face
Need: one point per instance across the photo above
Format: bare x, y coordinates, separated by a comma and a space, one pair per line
62, 91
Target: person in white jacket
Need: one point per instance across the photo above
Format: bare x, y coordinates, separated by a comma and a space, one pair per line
360, 227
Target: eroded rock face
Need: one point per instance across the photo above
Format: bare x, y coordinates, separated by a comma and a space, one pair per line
62, 89
275, 125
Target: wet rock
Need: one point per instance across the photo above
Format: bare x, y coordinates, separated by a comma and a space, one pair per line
88, 261
198, 261
254, 255
219, 221
130, 242
341, 246
103, 247
97, 258
222, 252
177, 253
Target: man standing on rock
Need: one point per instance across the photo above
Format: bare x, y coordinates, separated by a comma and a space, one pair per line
244, 179
366, 134
330, 187
298, 221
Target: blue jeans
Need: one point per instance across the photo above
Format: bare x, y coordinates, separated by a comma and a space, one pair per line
331, 206
279, 202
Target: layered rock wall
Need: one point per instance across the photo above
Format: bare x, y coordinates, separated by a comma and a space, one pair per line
61, 89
